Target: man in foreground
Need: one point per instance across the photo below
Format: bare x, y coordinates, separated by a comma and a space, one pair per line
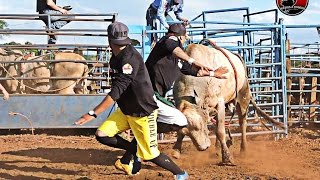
133, 92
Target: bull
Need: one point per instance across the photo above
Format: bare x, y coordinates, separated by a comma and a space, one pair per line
44, 70
201, 98
10, 70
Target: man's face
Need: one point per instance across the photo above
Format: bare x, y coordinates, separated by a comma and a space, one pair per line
183, 39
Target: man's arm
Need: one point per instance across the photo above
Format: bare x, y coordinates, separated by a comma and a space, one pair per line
55, 7
120, 83
178, 52
201, 70
160, 13
178, 14
104, 105
5, 93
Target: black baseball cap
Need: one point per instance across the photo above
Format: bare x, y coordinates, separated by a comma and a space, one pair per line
178, 29
118, 34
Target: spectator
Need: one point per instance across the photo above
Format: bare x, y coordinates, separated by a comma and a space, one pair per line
160, 9
49, 7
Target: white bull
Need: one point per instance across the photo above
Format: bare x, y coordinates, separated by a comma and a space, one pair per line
201, 98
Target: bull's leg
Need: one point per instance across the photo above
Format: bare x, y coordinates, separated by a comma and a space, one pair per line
242, 108
181, 132
218, 147
243, 125
221, 134
178, 145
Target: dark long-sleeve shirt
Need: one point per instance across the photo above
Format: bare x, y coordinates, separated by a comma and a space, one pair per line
42, 5
131, 86
163, 67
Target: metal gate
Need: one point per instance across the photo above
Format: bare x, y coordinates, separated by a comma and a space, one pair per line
262, 46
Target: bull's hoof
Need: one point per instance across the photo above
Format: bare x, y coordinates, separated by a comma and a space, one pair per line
176, 154
227, 164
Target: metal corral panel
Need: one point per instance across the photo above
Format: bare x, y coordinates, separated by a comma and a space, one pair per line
49, 111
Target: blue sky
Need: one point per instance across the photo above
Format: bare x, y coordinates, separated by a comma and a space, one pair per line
133, 12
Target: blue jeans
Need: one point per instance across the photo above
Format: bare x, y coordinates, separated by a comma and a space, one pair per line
55, 22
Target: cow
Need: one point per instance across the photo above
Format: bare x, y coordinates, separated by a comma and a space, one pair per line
201, 98
10, 70
43, 70
70, 69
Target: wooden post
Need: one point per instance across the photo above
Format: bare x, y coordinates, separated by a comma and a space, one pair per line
313, 99
289, 80
301, 99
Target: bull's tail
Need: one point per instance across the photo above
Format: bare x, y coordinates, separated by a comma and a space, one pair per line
266, 116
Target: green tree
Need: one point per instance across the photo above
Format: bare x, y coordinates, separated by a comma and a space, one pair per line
3, 25
12, 43
28, 43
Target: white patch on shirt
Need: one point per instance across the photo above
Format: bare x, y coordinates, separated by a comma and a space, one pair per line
127, 69
179, 64
173, 38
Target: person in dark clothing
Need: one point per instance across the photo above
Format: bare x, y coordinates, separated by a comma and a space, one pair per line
50, 7
159, 9
132, 90
168, 60
165, 64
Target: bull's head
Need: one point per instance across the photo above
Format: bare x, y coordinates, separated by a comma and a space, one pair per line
197, 125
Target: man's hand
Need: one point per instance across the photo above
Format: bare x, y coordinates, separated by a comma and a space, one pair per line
185, 21
200, 66
219, 73
5, 95
63, 11
83, 119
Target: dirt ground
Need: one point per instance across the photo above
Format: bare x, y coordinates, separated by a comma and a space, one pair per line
82, 157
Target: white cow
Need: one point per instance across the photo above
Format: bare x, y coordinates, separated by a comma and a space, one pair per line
201, 98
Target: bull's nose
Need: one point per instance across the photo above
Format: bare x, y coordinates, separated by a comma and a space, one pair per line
203, 148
